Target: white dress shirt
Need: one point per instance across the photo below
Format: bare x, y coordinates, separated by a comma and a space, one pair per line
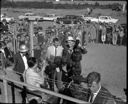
25, 61
2, 50
52, 51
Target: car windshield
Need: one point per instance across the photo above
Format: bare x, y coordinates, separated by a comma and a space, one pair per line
104, 17
72, 16
49, 15
30, 14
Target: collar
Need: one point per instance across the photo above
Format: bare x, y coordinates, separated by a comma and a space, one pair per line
97, 91
22, 55
2, 50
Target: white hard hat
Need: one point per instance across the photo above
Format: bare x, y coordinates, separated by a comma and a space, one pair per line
23, 48
70, 38
77, 38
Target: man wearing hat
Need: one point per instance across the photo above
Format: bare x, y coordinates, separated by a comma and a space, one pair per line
20, 65
67, 52
72, 56
20, 59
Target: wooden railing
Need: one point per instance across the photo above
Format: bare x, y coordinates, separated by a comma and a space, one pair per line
6, 79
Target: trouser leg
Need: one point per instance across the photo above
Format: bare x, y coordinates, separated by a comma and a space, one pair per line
59, 82
51, 81
24, 90
50, 71
77, 68
121, 39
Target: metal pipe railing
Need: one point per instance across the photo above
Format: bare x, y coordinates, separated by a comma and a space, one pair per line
5, 79
5, 91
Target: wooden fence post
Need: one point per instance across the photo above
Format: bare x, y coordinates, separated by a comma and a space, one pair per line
5, 90
31, 33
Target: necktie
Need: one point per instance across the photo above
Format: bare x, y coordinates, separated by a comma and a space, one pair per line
91, 99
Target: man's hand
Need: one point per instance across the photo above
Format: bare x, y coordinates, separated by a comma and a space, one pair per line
64, 68
58, 69
83, 47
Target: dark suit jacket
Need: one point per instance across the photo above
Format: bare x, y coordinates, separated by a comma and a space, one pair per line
8, 53
19, 64
66, 56
4, 27
104, 97
2, 60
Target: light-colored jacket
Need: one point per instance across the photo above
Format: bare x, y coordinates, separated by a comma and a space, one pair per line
52, 52
33, 78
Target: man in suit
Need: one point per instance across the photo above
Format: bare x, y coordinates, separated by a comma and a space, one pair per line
20, 65
4, 25
2, 56
20, 60
99, 94
7, 53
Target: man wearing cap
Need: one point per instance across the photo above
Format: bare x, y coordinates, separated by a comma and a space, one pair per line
72, 56
76, 57
67, 52
20, 65
20, 60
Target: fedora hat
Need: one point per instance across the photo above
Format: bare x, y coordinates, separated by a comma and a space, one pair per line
23, 48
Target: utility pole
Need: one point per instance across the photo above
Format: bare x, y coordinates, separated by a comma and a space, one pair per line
31, 33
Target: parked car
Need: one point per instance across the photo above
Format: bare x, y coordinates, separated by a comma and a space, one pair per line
117, 8
69, 19
7, 18
107, 19
91, 19
101, 19
50, 17
30, 16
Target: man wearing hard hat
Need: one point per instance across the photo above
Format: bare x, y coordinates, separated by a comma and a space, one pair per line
72, 56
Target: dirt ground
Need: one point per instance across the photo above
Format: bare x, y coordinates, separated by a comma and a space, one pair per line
108, 60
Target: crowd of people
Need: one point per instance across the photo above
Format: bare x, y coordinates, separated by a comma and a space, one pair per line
56, 64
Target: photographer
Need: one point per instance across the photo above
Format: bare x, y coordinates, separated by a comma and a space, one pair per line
76, 57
